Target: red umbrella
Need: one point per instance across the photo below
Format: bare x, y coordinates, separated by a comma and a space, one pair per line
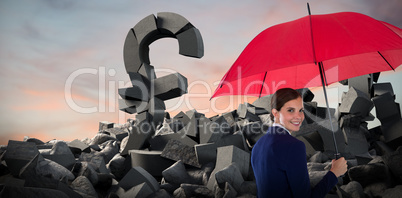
291, 54
312, 51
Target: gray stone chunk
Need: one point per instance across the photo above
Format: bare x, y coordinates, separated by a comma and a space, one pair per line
254, 131
310, 150
12, 191
171, 23
101, 138
19, 154
131, 55
117, 133
105, 125
147, 71
382, 88
87, 170
248, 187
264, 102
140, 190
61, 154
306, 94
225, 156
393, 161
230, 174
375, 189
326, 134
148, 159
84, 187
193, 190
318, 157
244, 112
145, 30
109, 151
79, 146
136, 176
201, 176
182, 117
392, 132
56, 171
161, 193
176, 174
97, 162
117, 166
156, 107
356, 142
368, 174
132, 106
175, 150
361, 83
137, 92
229, 191
385, 108
170, 86
190, 43
191, 128
193, 112
159, 142
356, 102
393, 192
34, 140
350, 120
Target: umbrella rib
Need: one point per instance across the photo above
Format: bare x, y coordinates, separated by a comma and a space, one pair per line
386, 60
262, 85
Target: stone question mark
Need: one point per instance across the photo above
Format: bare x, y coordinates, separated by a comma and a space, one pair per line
148, 92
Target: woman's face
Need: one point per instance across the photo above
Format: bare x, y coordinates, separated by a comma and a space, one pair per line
291, 115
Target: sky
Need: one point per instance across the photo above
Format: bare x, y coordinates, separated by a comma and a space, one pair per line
61, 62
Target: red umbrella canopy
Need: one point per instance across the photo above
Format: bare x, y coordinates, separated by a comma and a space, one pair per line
346, 44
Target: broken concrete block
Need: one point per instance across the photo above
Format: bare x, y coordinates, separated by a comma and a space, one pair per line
191, 129
148, 159
140, 190
392, 132
225, 156
207, 152
350, 120
361, 83
356, 102
61, 154
370, 173
56, 171
86, 169
164, 128
190, 43
147, 71
78, 146
145, 30
156, 107
264, 102
310, 151
175, 150
117, 133
19, 154
230, 174
84, 187
192, 190
306, 94
244, 112
356, 142
176, 174
159, 142
136, 176
326, 134
109, 151
137, 92
131, 56
170, 86
172, 23
386, 109
382, 88
97, 162
182, 117
105, 125
117, 166
13, 191
254, 131
100, 138
132, 106
193, 112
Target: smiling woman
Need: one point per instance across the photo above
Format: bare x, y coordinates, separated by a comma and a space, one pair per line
279, 160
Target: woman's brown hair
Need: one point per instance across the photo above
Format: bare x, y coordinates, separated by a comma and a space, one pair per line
282, 96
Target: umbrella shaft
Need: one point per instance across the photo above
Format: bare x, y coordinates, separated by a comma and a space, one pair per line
329, 113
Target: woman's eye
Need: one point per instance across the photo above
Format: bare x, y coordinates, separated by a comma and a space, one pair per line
301, 110
291, 110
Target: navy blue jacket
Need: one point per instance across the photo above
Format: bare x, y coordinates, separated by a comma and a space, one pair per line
280, 167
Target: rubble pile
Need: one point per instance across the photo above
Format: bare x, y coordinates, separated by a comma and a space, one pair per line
190, 155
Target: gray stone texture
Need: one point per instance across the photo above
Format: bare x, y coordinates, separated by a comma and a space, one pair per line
170, 86
370, 173
84, 187
175, 150
136, 176
159, 142
356, 102
354, 190
381, 88
227, 155
230, 174
361, 83
148, 159
176, 174
193, 190
19, 154
190, 43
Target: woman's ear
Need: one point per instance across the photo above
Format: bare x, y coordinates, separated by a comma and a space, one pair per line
275, 113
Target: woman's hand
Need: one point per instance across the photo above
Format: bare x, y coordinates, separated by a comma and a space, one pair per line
339, 167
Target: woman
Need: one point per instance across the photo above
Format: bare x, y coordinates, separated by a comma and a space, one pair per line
279, 160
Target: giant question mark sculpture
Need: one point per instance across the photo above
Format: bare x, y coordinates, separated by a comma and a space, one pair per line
148, 92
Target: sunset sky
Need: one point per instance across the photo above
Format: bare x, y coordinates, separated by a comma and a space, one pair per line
62, 61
